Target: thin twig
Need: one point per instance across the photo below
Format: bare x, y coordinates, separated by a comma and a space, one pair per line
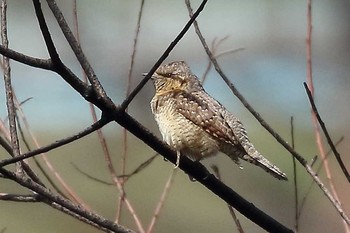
125, 132
56, 144
8, 88
67, 204
36, 161
230, 208
140, 167
196, 170
296, 199
214, 47
7, 146
57, 64
74, 44
325, 131
161, 201
132, 95
319, 141
24, 140
264, 124
312, 181
19, 198
123, 177
90, 176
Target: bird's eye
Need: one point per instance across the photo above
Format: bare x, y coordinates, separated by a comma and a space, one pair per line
168, 75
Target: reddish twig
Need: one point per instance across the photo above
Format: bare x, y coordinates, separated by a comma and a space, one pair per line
313, 182
234, 90
161, 200
346, 221
100, 134
232, 211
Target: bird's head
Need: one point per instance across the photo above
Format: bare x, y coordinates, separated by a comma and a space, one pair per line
174, 76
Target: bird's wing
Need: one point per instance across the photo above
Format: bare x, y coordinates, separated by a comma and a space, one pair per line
205, 112
211, 116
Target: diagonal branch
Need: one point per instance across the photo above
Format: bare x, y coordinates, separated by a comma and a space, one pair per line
264, 124
28, 60
138, 88
53, 198
325, 131
201, 174
74, 44
8, 88
99, 124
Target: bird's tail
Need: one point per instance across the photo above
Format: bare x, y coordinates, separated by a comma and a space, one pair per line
259, 160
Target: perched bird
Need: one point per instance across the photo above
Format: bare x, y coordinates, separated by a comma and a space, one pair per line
195, 124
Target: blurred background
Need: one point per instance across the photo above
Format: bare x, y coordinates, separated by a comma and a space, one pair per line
269, 72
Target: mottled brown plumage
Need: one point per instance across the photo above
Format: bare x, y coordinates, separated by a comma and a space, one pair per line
195, 124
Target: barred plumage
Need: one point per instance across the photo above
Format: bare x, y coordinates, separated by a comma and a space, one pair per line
195, 124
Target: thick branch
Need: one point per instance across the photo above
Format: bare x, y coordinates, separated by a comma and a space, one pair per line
264, 124
45, 193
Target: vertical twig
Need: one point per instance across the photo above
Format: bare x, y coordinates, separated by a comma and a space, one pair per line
101, 136
230, 208
313, 114
296, 204
128, 89
8, 88
234, 90
161, 201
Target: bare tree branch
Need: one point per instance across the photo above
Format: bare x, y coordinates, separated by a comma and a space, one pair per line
8, 88
265, 125
132, 95
74, 44
99, 124
230, 208
53, 198
19, 198
31, 61
296, 199
325, 131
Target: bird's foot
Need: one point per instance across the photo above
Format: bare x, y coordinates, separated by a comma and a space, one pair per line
178, 154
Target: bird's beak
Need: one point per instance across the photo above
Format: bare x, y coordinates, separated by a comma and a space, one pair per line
152, 77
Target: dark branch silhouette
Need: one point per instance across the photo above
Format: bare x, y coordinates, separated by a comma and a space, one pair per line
325, 131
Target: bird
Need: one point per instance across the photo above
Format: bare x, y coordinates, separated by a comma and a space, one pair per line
196, 125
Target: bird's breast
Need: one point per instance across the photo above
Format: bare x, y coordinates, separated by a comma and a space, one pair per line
182, 134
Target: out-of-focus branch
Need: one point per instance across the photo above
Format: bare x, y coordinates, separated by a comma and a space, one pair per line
19, 198
265, 125
161, 201
230, 208
195, 170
